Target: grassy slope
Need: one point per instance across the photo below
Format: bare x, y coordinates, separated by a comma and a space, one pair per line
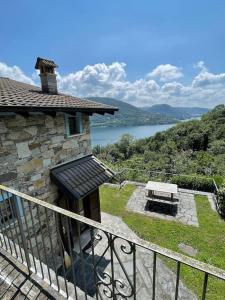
209, 238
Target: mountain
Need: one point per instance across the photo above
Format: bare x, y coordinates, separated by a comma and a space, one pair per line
189, 147
128, 115
179, 113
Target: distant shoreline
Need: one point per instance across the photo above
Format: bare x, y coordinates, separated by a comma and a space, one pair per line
155, 124
129, 125
109, 135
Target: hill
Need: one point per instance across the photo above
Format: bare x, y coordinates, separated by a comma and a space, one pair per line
128, 115
179, 113
191, 147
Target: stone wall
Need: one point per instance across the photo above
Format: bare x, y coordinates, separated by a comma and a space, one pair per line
29, 147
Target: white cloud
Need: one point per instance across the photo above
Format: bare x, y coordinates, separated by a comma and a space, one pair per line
206, 89
91, 77
205, 78
166, 73
14, 72
172, 87
200, 65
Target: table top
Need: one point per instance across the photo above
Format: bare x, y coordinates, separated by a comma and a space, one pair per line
161, 187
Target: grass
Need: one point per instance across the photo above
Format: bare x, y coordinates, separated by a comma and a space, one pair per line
208, 238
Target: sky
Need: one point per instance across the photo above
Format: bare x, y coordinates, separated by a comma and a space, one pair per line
143, 52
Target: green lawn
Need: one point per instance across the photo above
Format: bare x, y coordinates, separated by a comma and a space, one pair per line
208, 238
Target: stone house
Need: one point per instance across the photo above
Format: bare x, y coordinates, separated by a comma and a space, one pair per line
45, 145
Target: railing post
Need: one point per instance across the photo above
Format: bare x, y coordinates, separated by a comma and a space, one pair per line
111, 245
177, 280
154, 276
23, 238
205, 286
134, 271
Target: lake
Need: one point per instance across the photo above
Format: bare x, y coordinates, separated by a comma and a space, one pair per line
108, 135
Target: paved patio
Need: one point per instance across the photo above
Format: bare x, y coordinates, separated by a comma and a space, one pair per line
182, 210
165, 278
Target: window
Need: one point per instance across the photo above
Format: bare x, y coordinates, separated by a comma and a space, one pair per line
74, 124
10, 207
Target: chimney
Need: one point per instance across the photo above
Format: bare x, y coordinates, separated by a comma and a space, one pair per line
47, 74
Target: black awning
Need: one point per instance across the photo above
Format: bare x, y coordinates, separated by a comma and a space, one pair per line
80, 177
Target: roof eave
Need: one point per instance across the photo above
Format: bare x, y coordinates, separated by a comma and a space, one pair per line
58, 109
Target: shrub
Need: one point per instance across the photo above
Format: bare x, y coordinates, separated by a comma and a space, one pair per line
194, 183
221, 200
219, 180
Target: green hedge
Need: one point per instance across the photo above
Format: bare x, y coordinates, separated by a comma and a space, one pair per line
194, 183
219, 180
221, 200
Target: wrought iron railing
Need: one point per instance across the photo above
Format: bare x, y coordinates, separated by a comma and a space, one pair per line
40, 236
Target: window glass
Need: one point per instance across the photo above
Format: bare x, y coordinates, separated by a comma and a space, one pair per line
74, 124
7, 209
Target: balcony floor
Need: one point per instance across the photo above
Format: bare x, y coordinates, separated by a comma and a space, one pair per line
16, 284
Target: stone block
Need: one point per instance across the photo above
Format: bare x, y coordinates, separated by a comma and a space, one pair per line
34, 145
37, 163
39, 183
32, 130
36, 152
47, 162
52, 131
4, 153
23, 150
16, 121
70, 144
25, 168
61, 129
3, 128
35, 177
32, 165
7, 143
49, 122
84, 137
31, 188
44, 148
18, 136
8, 176
48, 154
57, 139
35, 120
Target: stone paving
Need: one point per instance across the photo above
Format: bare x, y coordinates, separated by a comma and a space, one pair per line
183, 209
165, 278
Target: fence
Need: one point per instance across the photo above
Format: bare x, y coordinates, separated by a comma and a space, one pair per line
39, 235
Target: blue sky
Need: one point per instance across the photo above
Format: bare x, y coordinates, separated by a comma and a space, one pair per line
138, 36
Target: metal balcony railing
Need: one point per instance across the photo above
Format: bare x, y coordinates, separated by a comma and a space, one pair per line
39, 235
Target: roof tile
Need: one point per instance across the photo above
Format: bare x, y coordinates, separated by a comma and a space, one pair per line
15, 95
88, 174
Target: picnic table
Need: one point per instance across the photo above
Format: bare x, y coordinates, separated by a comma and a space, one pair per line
153, 186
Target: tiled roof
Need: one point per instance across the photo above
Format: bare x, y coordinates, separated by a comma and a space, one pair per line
80, 177
46, 62
18, 96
